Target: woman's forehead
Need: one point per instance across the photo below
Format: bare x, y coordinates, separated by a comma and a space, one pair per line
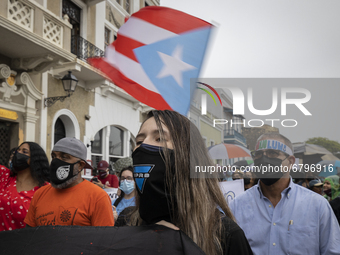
127, 173
25, 146
150, 125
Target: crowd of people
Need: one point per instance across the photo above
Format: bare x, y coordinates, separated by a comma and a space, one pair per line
274, 215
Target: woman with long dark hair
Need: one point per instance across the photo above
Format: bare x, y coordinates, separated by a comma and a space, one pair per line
29, 171
171, 193
10, 157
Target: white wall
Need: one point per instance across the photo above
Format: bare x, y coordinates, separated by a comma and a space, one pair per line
110, 110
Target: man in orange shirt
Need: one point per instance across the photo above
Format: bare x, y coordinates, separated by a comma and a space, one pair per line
69, 200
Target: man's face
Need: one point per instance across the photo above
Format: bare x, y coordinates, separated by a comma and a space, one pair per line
287, 160
103, 173
71, 178
64, 157
69, 159
248, 175
237, 176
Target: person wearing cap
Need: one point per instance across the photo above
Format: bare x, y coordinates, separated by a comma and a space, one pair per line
279, 216
316, 186
237, 175
105, 180
69, 200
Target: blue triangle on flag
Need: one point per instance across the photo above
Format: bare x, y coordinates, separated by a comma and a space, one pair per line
141, 173
171, 63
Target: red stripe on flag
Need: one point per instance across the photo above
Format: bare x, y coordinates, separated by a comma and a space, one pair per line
136, 90
125, 46
170, 19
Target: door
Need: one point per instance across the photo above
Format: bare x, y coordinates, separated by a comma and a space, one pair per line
74, 13
4, 142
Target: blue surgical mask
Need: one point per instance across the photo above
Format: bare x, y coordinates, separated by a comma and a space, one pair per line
127, 186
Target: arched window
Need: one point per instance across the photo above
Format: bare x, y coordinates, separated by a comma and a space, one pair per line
111, 143
97, 148
132, 145
59, 130
116, 143
64, 124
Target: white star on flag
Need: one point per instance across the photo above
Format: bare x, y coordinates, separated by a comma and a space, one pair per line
174, 65
134, 61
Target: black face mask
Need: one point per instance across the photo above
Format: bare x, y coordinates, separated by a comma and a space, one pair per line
246, 180
61, 171
149, 172
19, 162
268, 178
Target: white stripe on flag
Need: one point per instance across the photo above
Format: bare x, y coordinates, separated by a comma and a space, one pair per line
144, 32
130, 68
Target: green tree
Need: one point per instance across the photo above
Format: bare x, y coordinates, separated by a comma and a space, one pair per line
330, 145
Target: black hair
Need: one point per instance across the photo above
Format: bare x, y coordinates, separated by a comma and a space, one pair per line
39, 166
11, 152
128, 168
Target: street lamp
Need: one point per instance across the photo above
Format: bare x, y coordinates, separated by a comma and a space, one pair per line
69, 83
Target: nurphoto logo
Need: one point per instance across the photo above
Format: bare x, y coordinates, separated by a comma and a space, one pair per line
204, 97
293, 96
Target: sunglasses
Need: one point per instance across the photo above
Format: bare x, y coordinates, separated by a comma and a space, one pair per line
269, 153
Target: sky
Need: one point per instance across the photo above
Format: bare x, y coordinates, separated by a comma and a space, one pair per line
276, 39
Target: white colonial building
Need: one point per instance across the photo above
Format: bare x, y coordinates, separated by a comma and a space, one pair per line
40, 42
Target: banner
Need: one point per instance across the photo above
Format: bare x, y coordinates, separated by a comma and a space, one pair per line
231, 189
151, 240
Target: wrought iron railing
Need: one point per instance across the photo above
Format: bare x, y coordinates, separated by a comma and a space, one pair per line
233, 134
84, 49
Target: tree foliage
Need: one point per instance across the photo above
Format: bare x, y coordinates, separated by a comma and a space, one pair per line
330, 145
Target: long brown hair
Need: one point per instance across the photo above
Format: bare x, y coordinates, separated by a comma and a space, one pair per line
196, 212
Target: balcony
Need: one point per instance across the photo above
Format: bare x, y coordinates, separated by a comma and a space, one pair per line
234, 137
88, 76
83, 49
32, 36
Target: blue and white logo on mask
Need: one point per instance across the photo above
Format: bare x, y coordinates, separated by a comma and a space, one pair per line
141, 173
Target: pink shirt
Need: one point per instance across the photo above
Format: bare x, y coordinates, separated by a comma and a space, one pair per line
13, 204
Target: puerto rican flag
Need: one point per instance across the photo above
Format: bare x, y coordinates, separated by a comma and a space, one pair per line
155, 54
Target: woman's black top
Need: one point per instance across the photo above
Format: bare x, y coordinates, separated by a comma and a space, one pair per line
233, 239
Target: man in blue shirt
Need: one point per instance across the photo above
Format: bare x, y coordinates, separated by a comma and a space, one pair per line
278, 216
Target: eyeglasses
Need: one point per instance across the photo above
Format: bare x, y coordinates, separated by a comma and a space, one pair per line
269, 153
129, 178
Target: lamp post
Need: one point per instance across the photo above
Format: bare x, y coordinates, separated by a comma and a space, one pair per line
69, 83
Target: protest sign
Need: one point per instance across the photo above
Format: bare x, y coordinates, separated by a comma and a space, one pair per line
112, 192
231, 189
